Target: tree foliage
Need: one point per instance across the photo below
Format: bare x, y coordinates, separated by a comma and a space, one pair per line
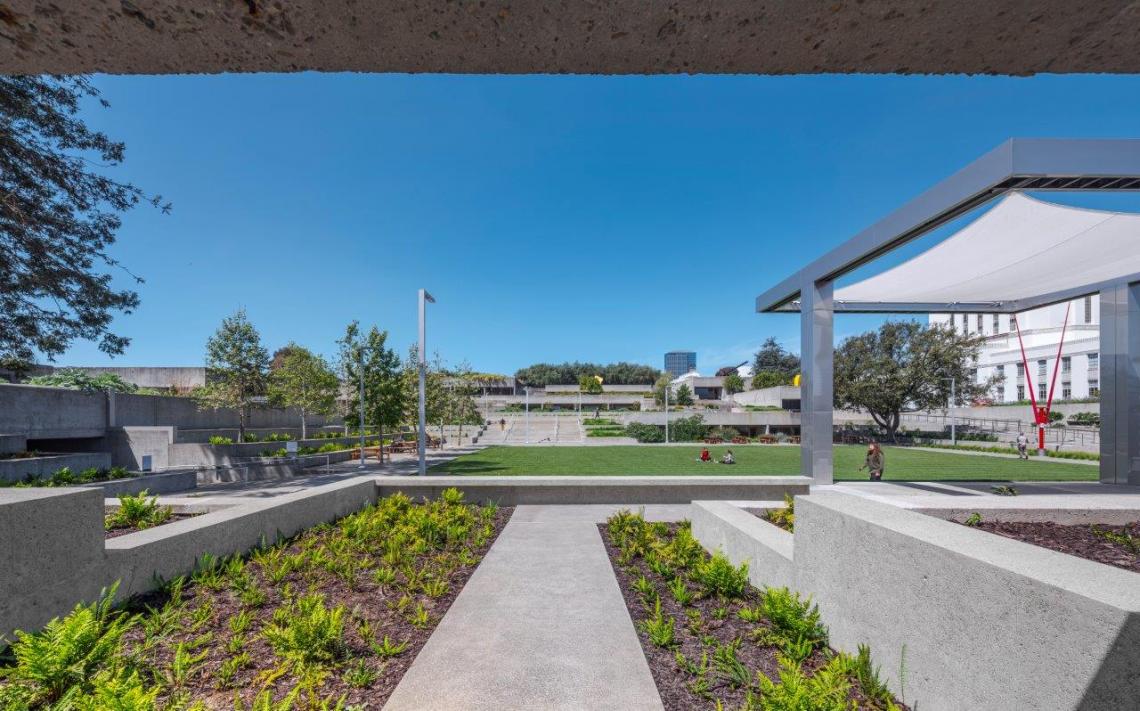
236, 368
386, 402
733, 383
684, 395
770, 379
75, 379
58, 217
543, 374
775, 358
905, 365
663, 383
302, 379
591, 384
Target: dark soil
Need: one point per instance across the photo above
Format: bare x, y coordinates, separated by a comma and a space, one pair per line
673, 683
116, 532
365, 600
1080, 540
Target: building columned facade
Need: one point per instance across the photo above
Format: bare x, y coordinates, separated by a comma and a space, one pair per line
1079, 375
677, 363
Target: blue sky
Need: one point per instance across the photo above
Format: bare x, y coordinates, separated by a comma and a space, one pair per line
554, 218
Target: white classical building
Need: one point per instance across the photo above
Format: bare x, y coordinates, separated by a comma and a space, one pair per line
1079, 376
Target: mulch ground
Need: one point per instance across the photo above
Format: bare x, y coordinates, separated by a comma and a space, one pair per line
762, 514
1079, 540
366, 601
672, 681
116, 532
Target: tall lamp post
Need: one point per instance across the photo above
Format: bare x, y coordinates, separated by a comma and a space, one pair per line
362, 410
953, 417
667, 413
425, 299
526, 415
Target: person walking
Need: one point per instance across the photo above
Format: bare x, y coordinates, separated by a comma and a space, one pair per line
874, 461
1022, 446
502, 423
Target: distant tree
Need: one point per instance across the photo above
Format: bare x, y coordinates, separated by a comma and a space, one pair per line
463, 385
385, 399
75, 379
58, 217
302, 379
770, 379
905, 365
590, 384
684, 395
236, 368
663, 383
772, 357
733, 383
543, 374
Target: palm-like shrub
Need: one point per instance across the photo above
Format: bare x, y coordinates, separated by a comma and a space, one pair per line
720, 577
138, 511
308, 632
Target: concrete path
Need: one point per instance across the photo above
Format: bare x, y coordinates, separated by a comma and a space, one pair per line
540, 625
1006, 455
1056, 495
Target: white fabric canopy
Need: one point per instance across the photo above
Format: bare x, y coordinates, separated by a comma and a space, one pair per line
1021, 248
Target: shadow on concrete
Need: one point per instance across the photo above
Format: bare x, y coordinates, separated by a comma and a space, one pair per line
1117, 682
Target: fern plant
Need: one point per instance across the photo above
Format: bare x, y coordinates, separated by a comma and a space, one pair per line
659, 628
720, 577
138, 511
307, 632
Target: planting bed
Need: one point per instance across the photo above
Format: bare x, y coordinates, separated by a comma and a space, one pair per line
713, 641
329, 619
1112, 545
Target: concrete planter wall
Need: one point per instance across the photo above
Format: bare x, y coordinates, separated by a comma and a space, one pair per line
196, 455
958, 618
744, 538
45, 466
49, 567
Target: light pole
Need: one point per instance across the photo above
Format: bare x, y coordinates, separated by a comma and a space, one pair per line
361, 365
953, 417
526, 415
421, 446
666, 413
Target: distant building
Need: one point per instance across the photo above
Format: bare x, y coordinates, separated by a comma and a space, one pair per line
1000, 357
677, 363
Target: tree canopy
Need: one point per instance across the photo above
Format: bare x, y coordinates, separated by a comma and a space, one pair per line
75, 379
236, 368
58, 217
773, 365
386, 401
543, 374
906, 365
302, 379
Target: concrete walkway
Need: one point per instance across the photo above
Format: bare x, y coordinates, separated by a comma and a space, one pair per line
540, 625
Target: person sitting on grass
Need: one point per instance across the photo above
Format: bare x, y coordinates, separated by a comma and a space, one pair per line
705, 457
728, 458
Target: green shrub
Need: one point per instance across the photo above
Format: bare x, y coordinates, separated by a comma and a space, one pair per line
307, 632
218, 439
792, 619
720, 577
1084, 419
594, 421
138, 511
645, 433
688, 429
64, 660
785, 518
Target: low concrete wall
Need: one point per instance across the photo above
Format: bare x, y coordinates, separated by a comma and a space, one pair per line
196, 436
45, 466
272, 469
515, 491
173, 549
49, 567
52, 555
196, 454
162, 483
744, 538
958, 618
43, 413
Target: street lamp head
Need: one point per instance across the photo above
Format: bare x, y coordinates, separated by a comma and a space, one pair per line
427, 297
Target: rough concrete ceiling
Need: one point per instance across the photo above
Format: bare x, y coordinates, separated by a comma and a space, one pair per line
560, 36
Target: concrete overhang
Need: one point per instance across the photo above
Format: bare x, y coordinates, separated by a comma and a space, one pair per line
1033, 164
622, 37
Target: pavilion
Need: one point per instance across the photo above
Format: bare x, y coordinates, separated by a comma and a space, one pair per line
1022, 254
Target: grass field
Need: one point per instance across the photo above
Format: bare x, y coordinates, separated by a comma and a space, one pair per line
901, 463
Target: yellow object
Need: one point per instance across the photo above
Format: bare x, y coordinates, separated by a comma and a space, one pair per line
599, 379
796, 380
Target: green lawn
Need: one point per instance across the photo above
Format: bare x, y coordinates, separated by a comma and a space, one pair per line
902, 463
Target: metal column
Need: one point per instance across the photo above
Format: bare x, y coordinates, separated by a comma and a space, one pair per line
816, 380
1120, 384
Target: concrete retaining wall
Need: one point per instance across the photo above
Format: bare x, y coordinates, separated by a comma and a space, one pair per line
271, 469
958, 618
45, 466
10, 444
744, 538
128, 446
162, 483
515, 491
